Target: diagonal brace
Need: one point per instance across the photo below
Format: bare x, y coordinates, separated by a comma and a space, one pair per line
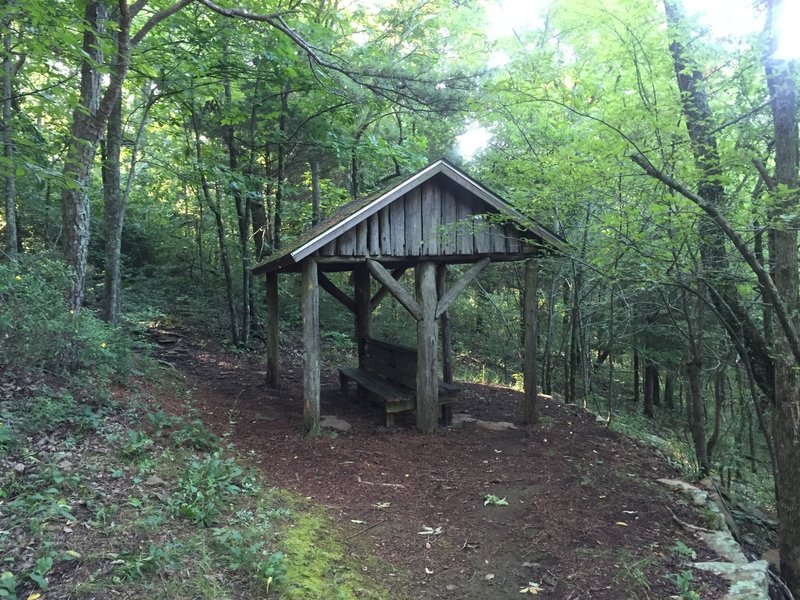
330, 287
403, 296
447, 298
381, 293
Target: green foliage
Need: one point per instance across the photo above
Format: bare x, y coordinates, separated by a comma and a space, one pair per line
194, 434
683, 581
8, 586
492, 500
38, 332
208, 487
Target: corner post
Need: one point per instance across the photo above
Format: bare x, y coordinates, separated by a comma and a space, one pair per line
273, 333
363, 311
310, 309
530, 414
427, 359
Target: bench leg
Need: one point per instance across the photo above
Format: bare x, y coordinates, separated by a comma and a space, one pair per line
447, 415
343, 382
389, 419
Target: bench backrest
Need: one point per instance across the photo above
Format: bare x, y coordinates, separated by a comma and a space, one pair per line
391, 361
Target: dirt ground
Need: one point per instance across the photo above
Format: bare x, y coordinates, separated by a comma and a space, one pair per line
585, 516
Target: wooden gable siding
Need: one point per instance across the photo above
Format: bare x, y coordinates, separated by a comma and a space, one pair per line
429, 220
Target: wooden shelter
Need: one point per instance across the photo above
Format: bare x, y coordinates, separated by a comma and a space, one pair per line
436, 217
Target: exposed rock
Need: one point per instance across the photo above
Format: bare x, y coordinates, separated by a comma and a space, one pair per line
748, 581
334, 422
461, 418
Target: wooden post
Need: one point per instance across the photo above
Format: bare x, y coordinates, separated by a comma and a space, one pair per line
427, 359
310, 310
445, 326
273, 333
446, 329
363, 312
530, 413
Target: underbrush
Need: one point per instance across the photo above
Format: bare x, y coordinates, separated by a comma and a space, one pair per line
103, 493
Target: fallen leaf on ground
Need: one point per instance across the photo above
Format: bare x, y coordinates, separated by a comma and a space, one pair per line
531, 588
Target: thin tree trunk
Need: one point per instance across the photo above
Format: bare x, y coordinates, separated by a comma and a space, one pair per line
316, 195
719, 405
279, 187
636, 377
11, 240
650, 374
782, 83
114, 212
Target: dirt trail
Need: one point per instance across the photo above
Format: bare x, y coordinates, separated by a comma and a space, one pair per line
585, 517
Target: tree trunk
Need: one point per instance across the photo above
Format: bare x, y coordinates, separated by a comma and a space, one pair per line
279, 187
782, 82
721, 286
316, 196
719, 404
636, 377
85, 136
114, 212
669, 391
11, 240
650, 374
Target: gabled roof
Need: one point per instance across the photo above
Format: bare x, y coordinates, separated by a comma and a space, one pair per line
358, 211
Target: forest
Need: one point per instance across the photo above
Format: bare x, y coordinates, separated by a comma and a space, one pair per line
155, 152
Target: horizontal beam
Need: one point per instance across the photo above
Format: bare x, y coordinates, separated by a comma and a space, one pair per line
458, 287
330, 287
403, 296
381, 293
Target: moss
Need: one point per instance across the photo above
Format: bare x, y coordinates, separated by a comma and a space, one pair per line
317, 565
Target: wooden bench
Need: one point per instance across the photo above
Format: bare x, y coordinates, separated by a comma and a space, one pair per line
389, 372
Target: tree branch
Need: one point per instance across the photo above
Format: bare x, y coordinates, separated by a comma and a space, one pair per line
739, 243
156, 19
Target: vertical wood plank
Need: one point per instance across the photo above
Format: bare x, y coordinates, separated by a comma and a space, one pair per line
427, 359
413, 222
398, 219
464, 243
445, 326
482, 239
431, 211
346, 243
386, 231
362, 239
309, 301
374, 235
530, 412
498, 236
363, 311
328, 249
273, 333
512, 240
448, 241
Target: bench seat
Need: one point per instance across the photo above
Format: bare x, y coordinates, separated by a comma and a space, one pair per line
388, 372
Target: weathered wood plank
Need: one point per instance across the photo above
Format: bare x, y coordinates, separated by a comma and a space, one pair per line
309, 301
362, 239
398, 222
458, 287
513, 244
346, 243
330, 287
362, 312
530, 413
498, 236
427, 358
431, 211
413, 222
328, 249
448, 241
386, 232
464, 242
403, 296
374, 235
482, 239
273, 333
